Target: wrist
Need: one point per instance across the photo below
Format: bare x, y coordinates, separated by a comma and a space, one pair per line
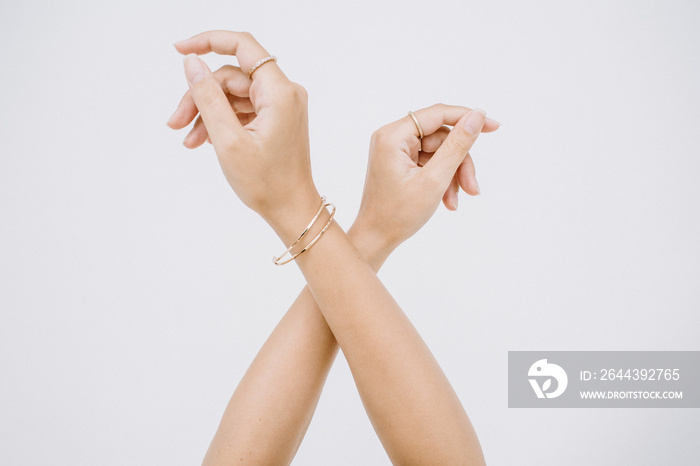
290, 219
373, 247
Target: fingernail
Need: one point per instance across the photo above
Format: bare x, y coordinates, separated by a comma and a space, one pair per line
478, 190
494, 121
180, 42
194, 68
167, 123
184, 142
456, 199
475, 121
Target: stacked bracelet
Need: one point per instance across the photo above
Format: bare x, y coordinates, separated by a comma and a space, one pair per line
278, 260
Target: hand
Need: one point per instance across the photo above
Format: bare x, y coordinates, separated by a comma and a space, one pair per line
403, 186
258, 127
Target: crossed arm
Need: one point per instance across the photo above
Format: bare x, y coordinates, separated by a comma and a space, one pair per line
412, 406
270, 411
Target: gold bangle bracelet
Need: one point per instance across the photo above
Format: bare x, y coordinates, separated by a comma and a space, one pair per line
313, 241
303, 233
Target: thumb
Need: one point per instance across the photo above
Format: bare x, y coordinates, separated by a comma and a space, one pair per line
444, 163
219, 118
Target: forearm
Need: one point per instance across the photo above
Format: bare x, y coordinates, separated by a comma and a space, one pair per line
270, 411
412, 406
271, 408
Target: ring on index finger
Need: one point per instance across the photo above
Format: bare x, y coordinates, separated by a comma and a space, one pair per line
260, 63
420, 130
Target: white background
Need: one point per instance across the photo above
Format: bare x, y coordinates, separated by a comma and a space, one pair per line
136, 288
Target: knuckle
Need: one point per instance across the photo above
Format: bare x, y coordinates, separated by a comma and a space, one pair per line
206, 94
379, 136
288, 94
222, 74
248, 38
288, 89
226, 69
291, 94
460, 141
301, 92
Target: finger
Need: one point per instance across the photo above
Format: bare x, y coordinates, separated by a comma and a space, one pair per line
466, 175
451, 196
490, 125
435, 116
187, 110
221, 122
184, 113
451, 153
240, 44
234, 83
432, 142
198, 134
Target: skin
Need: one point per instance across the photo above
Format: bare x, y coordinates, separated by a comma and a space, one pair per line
259, 130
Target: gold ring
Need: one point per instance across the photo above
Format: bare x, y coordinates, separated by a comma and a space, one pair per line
260, 63
420, 130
